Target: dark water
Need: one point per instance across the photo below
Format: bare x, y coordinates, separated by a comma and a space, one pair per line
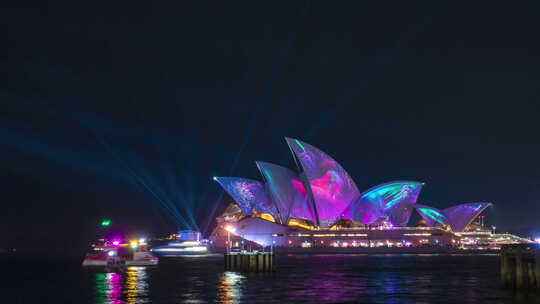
298, 279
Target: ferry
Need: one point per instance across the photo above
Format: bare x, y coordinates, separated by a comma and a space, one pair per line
116, 254
185, 243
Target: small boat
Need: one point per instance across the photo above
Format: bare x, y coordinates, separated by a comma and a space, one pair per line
117, 255
186, 243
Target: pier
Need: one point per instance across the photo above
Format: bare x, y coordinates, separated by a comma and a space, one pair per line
520, 266
250, 261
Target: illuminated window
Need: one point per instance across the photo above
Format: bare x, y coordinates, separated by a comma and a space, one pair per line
300, 223
306, 245
267, 216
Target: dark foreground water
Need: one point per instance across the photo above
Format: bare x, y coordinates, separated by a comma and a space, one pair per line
298, 279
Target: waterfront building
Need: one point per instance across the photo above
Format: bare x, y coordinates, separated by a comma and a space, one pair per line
320, 206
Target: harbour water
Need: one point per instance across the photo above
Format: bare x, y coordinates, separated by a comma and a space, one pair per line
299, 279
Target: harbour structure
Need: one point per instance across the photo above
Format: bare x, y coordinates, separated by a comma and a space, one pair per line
320, 206
520, 266
250, 261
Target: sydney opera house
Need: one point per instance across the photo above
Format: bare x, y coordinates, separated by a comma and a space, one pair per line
320, 206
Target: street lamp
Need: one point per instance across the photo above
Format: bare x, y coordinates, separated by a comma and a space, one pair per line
229, 229
493, 227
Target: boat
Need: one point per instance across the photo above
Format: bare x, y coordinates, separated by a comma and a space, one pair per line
116, 254
185, 243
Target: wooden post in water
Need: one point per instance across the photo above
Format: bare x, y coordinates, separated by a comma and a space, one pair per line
253, 262
260, 262
519, 269
245, 262
504, 269
537, 267
268, 262
530, 272
520, 265
511, 273
232, 261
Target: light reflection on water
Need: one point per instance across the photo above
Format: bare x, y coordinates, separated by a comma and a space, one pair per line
230, 287
129, 286
109, 288
136, 285
312, 279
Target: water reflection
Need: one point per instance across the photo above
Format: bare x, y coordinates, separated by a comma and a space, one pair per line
230, 287
109, 288
136, 285
129, 287
312, 279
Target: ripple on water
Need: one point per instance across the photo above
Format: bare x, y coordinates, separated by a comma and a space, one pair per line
298, 279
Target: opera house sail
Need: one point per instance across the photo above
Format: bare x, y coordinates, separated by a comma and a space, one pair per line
250, 195
285, 188
432, 216
457, 217
322, 197
330, 186
390, 201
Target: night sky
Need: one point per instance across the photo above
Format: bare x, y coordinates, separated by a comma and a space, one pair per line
127, 111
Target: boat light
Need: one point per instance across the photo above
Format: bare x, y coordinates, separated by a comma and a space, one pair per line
186, 249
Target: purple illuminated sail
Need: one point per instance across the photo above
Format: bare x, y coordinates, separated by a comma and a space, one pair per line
391, 201
250, 195
282, 185
460, 216
332, 188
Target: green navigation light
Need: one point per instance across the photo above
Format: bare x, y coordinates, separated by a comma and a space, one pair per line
106, 223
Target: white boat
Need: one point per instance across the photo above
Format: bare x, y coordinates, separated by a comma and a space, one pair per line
118, 255
187, 243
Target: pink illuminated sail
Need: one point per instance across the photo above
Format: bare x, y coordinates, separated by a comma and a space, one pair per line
330, 185
282, 184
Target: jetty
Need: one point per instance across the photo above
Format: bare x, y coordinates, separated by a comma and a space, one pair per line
520, 266
247, 261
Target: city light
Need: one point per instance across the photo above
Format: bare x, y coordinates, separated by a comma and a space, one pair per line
230, 228
537, 240
186, 249
106, 223
111, 253
142, 241
116, 243
134, 244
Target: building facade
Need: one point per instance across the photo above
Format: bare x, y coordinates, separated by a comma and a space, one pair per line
319, 205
